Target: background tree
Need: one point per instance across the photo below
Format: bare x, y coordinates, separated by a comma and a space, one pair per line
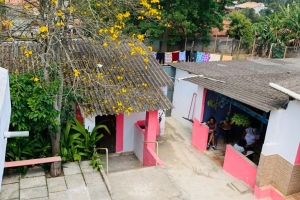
40, 30
250, 14
180, 20
240, 27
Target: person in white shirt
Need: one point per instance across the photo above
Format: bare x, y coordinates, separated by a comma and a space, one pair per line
251, 135
241, 148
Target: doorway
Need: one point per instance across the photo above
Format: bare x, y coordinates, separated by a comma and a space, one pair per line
108, 140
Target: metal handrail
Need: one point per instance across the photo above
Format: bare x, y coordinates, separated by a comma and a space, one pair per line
156, 150
106, 152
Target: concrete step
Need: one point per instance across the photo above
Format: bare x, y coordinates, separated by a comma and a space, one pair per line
121, 163
239, 186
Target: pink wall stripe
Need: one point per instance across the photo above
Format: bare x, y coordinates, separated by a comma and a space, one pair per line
203, 104
267, 192
239, 166
119, 132
297, 160
199, 136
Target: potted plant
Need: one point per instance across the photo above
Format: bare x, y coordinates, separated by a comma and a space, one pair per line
240, 120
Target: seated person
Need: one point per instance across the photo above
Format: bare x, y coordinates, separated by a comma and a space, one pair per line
251, 135
241, 148
212, 125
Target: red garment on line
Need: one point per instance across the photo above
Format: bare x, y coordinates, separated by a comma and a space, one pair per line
175, 56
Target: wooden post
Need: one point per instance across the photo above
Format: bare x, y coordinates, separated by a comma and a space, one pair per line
270, 51
215, 43
253, 47
239, 48
285, 49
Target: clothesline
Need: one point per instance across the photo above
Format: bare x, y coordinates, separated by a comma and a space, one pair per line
187, 56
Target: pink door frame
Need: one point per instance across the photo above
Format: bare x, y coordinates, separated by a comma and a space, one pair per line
119, 132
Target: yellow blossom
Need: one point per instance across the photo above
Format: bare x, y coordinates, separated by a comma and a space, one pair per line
119, 77
105, 44
54, 2
76, 72
131, 44
140, 37
127, 14
71, 9
10, 39
43, 29
59, 13
27, 6
35, 79
119, 104
57, 24
158, 17
146, 60
98, 4
123, 90
146, 67
120, 16
150, 48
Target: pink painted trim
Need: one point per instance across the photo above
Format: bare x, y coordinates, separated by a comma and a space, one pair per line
203, 104
267, 192
239, 166
297, 160
119, 132
149, 158
199, 136
32, 162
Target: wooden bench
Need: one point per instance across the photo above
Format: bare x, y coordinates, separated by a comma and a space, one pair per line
32, 162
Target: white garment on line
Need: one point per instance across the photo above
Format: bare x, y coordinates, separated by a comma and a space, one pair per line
182, 56
215, 57
168, 57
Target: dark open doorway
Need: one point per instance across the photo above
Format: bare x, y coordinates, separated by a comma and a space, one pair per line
108, 140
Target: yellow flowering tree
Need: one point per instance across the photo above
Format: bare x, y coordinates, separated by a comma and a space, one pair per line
42, 30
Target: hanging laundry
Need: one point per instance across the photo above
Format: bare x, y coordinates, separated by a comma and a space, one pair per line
187, 56
154, 54
182, 56
226, 58
160, 57
175, 56
194, 56
205, 57
168, 57
199, 56
215, 57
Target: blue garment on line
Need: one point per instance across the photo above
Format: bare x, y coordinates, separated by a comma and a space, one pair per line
199, 56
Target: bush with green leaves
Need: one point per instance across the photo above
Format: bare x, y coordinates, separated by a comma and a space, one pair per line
78, 143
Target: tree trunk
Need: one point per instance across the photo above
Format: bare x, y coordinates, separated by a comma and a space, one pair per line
55, 168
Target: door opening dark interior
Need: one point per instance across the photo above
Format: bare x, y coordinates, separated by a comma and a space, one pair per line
108, 140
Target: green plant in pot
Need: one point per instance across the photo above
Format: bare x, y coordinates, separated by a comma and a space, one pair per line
212, 103
240, 120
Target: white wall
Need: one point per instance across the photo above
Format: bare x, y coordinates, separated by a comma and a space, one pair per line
283, 132
138, 144
90, 122
5, 111
183, 94
129, 127
163, 114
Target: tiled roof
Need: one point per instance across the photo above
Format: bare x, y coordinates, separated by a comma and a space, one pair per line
108, 75
248, 81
